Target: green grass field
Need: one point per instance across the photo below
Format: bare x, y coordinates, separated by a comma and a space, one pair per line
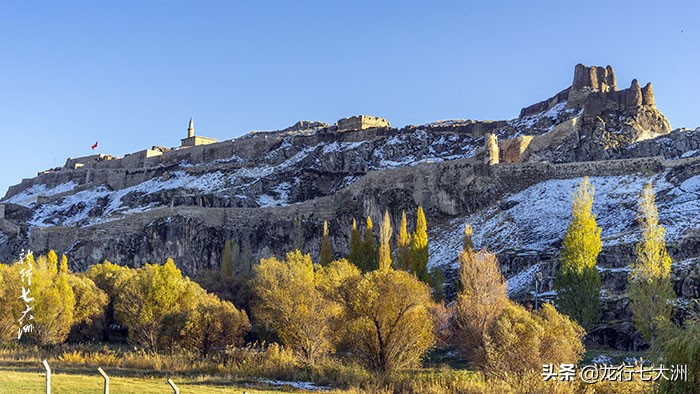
14, 381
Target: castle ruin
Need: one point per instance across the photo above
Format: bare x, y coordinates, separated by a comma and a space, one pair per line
595, 89
362, 122
607, 117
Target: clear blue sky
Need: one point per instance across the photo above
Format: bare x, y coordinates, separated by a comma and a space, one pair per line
130, 74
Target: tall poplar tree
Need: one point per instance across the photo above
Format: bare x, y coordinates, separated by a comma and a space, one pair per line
403, 245
649, 281
419, 248
326, 255
228, 255
467, 241
298, 234
369, 257
578, 282
384, 246
355, 255
248, 261
52, 262
54, 301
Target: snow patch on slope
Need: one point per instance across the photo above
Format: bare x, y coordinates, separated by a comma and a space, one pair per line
392, 154
552, 115
29, 196
521, 281
449, 122
81, 207
536, 218
281, 198
335, 146
257, 172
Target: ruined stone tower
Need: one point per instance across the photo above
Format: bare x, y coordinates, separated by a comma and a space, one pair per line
595, 89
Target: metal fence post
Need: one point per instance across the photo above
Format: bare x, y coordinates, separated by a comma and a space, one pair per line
104, 375
48, 376
172, 384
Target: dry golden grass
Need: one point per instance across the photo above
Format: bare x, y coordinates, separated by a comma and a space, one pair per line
76, 366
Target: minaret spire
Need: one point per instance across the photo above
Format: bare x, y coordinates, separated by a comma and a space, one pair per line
190, 129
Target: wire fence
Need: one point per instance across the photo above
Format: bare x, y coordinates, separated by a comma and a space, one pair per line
104, 375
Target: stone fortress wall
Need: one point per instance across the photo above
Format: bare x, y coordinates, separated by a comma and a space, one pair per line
134, 168
362, 122
139, 167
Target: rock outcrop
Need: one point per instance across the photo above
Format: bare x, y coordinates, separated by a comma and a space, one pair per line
607, 119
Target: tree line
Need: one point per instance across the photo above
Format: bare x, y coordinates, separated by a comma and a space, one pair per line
160, 308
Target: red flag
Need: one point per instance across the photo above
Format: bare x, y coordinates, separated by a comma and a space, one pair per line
95, 146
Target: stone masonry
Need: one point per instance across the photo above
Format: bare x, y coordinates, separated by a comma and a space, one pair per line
362, 122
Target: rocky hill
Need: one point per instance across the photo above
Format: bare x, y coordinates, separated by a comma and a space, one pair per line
270, 191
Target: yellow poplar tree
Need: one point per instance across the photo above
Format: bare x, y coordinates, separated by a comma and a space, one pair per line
419, 248
578, 282
467, 241
90, 300
230, 252
52, 262
54, 302
403, 245
326, 254
213, 323
384, 239
149, 297
649, 281
355, 254
368, 256
11, 305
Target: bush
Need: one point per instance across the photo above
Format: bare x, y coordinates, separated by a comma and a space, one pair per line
681, 346
162, 310
291, 303
479, 303
213, 324
61, 300
519, 341
388, 324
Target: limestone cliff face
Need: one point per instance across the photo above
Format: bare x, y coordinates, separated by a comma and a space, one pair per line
271, 191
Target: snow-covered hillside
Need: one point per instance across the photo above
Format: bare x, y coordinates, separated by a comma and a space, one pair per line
285, 175
536, 218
